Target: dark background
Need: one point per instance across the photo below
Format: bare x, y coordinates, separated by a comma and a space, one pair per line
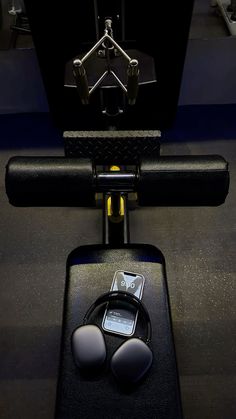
63, 32
198, 243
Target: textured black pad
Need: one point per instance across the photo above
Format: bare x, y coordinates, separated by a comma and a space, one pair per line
183, 180
100, 396
104, 149
49, 181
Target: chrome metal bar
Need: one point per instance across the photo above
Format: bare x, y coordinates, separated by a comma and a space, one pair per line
95, 47
98, 82
118, 81
114, 43
117, 46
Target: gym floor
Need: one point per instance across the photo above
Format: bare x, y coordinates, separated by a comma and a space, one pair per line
198, 244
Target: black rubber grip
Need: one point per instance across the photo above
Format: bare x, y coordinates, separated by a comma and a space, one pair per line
132, 89
50, 181
82, 85
132, 82
183, 181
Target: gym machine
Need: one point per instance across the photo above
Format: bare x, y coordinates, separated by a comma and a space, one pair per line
109, 97
227, 8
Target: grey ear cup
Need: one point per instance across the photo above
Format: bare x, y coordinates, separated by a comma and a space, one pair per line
131, 361
88, 347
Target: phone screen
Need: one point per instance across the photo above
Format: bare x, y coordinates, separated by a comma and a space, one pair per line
118, 319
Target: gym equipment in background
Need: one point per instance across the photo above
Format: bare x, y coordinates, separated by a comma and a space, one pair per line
183, 180
72, 30
16, 7
112, 82
21, 25
227, 9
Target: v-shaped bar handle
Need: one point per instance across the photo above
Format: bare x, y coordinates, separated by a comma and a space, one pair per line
81, 77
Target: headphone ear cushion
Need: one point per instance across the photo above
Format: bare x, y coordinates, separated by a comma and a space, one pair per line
88, 347
131, 361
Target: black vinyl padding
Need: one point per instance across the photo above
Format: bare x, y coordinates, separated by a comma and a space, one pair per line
166, 181
50, 181
183, 181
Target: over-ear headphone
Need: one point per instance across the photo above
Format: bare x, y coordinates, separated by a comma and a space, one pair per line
133, 358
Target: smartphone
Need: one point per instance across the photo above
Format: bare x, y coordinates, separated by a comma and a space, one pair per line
117, 318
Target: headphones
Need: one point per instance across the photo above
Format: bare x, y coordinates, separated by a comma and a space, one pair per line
131, 360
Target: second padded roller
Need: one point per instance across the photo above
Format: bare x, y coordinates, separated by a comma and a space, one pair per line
183, 181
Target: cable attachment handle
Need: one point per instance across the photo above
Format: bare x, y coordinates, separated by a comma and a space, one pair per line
81, 81
132, 81
108, 42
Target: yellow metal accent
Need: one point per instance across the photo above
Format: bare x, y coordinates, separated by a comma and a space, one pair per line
114, 169
122, 204
122, 207
109, 207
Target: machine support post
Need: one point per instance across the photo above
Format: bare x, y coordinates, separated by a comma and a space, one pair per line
115, 219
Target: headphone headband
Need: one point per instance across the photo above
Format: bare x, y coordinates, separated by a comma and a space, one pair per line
126, 297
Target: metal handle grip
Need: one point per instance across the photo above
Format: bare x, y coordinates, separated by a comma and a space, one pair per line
81, 81
132, 81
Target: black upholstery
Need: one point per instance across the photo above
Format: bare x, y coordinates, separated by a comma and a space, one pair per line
168, 180
184, 181
49, 181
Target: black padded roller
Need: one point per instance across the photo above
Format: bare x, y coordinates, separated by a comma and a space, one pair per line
183, 181
50, 181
